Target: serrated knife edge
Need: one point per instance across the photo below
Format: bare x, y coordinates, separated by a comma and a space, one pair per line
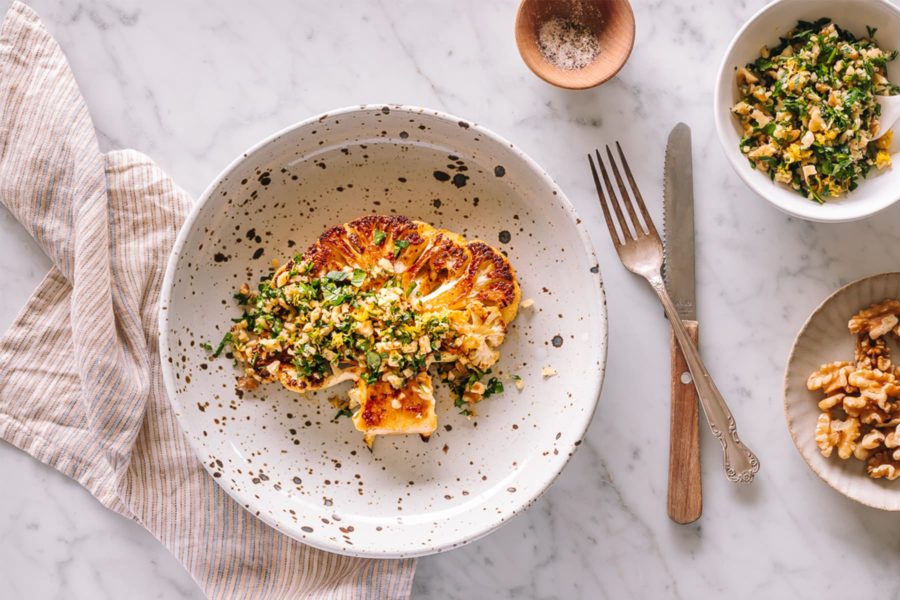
678, 222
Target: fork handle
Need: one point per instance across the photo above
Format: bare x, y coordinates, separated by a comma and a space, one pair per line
740, 463
685, 497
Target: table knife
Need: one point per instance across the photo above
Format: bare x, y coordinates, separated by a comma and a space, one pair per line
684, 500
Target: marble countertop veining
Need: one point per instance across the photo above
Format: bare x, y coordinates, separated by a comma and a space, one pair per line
193, 84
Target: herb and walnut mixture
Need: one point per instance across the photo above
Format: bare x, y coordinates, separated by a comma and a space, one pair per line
380, 301
808, 109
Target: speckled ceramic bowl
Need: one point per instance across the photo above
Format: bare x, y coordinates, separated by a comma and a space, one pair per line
824, 338
282, 455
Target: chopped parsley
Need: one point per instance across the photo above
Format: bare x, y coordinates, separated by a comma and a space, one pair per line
373, 360
337, 276
226, 339
359, 278
494, 386
344, 412
400, 246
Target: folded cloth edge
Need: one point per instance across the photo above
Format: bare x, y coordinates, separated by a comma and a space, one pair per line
51, 193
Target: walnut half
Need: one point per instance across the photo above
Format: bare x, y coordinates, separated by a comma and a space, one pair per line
876, 320
873, 354
882, 465
835, 433
830, 378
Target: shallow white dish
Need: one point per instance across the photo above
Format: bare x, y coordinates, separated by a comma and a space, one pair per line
824, 338
874, 193
280, 455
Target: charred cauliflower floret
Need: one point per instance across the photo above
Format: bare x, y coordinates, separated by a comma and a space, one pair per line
381, 301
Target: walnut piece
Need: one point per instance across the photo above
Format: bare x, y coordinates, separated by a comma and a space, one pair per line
826, 439
876, 320
856, 405
861, 406
870, 407
873, 354
832, 401
835, 433
869, 442
848, 432
830, 378
876, 417
892, 442
881, 465
246, 383
875, 385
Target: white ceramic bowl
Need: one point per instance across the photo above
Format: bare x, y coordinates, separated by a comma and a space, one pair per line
280, 454
824, 338
876, 192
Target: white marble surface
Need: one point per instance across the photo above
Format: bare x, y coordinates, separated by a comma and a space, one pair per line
193, 84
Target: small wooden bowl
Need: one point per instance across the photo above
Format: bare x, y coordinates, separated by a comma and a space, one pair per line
611, 21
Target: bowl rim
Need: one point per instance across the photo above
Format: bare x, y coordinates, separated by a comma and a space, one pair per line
787, 415
722, 116
245, 499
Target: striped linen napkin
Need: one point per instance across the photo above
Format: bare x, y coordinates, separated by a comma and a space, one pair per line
80, 382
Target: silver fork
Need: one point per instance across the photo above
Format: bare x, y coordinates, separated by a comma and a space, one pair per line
641, 251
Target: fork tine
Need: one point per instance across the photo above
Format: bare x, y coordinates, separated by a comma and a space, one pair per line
626, 232
637, 193
626, 199
603, 203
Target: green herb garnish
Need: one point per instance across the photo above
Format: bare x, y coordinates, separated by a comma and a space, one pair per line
226, 339
344, 412
359, 277
494, 386
399, 246
373, 360
337, 276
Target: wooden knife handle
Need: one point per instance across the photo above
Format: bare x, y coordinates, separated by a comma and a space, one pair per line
685, 497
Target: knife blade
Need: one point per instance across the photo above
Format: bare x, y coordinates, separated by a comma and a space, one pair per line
685, 499
678, 222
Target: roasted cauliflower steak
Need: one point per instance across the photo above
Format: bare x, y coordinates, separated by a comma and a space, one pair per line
381, 301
